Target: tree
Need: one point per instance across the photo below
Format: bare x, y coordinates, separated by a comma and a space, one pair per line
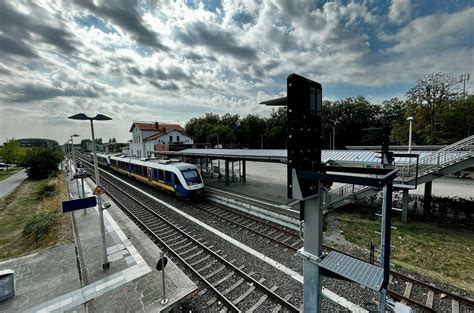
432, 94
350, 117
276, 129
42, 162
84, 143
10, 152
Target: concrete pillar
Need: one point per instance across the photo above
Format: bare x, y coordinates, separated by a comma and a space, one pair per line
405, 206
243, 171
226, 172
427, 198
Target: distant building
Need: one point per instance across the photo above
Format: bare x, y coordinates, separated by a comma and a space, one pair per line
145, 136
37, 142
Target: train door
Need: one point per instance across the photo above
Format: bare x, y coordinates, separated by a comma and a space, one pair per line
148, 173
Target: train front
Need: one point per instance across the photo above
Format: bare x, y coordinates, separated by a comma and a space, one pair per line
194, 183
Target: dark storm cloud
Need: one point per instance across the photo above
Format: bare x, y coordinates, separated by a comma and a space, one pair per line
17, 47
171, 74
124, 14
18, 28
165, 86
199, 34
197, 58
31, 92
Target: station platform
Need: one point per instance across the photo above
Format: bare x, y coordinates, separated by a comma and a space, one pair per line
253, 188
70, 278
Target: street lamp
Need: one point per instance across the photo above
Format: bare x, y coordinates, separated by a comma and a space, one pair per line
410, 119
72, 145
98, 117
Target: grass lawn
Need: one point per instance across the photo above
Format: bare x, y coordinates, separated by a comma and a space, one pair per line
5, 174
28, 199
442, 252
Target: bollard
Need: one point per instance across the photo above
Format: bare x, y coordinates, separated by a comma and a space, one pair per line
160, 266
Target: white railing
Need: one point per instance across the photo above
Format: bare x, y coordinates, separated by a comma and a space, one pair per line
437, 160
432, 162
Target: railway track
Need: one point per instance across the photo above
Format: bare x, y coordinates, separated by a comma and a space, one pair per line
291, 241
230, 286
402, 287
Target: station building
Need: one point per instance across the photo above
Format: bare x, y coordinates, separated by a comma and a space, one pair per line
147, 137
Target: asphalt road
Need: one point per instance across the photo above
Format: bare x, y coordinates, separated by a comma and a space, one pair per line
7, 185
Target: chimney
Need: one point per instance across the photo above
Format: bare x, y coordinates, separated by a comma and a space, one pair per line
164, 130
156, 125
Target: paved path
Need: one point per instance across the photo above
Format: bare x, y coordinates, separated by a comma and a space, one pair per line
7, 185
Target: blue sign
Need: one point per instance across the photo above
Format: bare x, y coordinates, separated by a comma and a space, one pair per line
77, 204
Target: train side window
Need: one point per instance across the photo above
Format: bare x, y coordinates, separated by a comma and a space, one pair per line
155, 173
161, 175
167, 176
177, 182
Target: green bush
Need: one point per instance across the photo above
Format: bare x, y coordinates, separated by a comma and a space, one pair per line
42, 162
39, 225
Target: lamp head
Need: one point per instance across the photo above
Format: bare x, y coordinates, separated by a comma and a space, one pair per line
410, 118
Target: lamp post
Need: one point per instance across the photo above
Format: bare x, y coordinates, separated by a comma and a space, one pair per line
410, 119
72, 148
98, 117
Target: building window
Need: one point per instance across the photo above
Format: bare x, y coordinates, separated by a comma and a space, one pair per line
177, 138
171, 139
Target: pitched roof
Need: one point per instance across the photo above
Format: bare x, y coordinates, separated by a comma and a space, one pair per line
155, 126
161, 133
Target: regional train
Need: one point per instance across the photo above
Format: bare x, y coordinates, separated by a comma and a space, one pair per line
182, 179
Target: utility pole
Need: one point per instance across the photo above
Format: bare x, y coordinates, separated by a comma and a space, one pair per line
462, 79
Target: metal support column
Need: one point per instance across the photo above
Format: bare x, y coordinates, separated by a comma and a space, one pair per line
427, 198
313, 243
385, 242
243, 171
226, 172
405, 206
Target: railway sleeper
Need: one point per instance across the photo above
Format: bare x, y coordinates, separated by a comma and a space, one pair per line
223, 279
220, 269
187, 251
279, 306
261, 300
205, 267
194, 255
200, 260
429, 299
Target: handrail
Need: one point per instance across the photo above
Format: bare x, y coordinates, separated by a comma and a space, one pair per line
429, 163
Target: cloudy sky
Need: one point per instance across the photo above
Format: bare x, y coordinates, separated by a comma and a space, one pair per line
169, 61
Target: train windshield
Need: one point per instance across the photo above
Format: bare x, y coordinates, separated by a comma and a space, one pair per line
192, 177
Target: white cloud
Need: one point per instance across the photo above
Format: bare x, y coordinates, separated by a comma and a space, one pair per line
169, 61
399, 11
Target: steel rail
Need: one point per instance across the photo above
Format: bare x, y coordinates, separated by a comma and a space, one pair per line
266, 290
247, 227
392, 272
225, 300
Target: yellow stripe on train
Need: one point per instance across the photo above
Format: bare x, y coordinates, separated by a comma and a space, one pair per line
164, 186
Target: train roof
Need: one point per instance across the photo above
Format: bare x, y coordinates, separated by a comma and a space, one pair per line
154, 163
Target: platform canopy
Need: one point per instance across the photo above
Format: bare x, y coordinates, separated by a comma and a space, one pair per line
348, 157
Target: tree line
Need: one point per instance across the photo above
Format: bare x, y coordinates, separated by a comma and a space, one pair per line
442, 115
40, 162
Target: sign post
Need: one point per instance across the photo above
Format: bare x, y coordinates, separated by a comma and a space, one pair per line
160, 267
78, 204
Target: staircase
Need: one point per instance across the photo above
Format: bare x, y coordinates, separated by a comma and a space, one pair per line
450, 159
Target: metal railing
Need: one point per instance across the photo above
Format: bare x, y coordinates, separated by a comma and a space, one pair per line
430, 163
437, 160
